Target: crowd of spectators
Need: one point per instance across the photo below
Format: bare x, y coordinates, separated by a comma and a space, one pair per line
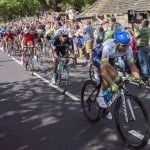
85, 36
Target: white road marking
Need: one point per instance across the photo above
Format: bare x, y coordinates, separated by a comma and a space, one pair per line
13, 58
49, 83
138, 135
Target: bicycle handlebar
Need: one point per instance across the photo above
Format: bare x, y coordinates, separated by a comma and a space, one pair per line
29, 47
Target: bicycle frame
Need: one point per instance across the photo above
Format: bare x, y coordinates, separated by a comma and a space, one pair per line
28, 57
61, 64
124, 101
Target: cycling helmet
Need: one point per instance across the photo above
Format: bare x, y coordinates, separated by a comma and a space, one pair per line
8, 30
40, 31
122, 36
31, 28
25, 31
63, 32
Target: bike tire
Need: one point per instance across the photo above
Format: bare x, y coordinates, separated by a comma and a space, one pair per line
41, 60
89, 105
27, 67
37, 58
92, 73
130, 136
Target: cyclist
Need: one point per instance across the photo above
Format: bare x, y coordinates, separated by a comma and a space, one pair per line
1, 38
28, 39
61, 46
111, 49
8, 36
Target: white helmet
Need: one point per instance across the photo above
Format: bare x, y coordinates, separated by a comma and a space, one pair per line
8, 30
25, 31
40, 31
63, 32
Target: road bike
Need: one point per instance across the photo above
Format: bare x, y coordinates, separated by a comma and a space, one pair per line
39, 54
94, 73
130, 115
10, 48
62, 75
28, 58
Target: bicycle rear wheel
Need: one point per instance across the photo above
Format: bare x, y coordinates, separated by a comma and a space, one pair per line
93, 71
89, 105
135, 131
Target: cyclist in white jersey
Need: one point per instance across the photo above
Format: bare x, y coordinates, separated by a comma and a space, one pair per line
112, 48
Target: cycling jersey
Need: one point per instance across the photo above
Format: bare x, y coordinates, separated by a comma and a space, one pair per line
60, 47
8, 36
49, 33
29, 39
108, 51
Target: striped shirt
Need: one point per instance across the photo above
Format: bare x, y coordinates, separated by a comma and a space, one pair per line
143, 37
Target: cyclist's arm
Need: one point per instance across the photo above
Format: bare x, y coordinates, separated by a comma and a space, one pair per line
133, 68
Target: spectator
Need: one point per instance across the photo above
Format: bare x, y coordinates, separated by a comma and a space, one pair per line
143, 38
114, 24
88, 32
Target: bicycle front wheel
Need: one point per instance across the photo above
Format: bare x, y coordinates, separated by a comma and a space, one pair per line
132, 122
63, 78
89, 105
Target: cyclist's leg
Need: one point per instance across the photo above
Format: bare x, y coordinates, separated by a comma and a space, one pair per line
24, 50
55, 65
108, 74
89, 48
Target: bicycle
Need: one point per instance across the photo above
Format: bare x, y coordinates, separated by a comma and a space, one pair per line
39, 54
28, 58
10, 48
127, 107
94, 73
62, 75
146, 80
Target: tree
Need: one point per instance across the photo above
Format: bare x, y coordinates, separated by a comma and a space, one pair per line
44, 4
13, 8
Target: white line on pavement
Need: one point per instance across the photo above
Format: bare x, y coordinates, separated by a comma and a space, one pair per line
138, 135
49, 83
56, 87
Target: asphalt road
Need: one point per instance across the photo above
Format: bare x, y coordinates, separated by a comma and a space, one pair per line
36, 116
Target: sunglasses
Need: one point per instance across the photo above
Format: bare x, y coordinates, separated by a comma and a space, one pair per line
124, 45
64, 35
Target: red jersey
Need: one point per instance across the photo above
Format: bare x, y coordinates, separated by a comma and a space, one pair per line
8, 36
28, 39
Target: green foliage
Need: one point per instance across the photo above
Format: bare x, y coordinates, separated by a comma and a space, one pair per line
14, 8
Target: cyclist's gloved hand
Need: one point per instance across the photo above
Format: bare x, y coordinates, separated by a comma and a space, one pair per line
114, 87
118, 79
142, 84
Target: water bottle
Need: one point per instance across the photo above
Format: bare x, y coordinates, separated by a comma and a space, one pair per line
107, 95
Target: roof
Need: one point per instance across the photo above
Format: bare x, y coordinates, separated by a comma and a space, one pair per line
115, 6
